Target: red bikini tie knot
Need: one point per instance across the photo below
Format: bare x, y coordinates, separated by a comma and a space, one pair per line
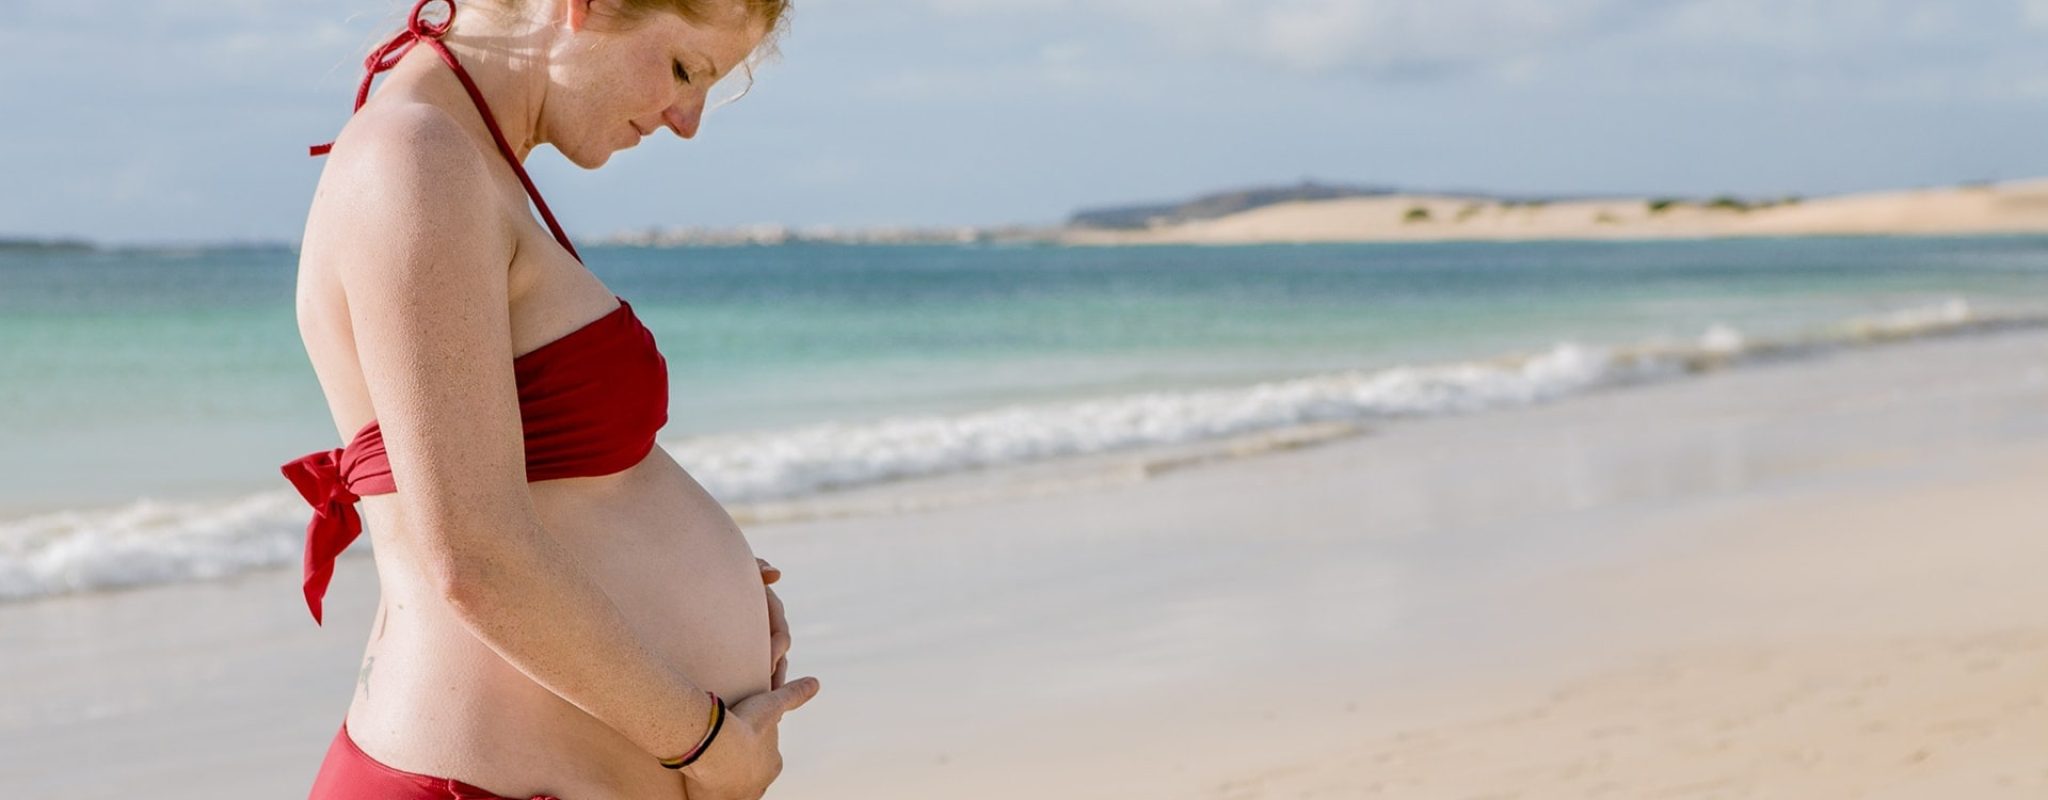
387, 55
335, 521
432, 30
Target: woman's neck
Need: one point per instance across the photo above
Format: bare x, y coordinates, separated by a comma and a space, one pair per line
505, 54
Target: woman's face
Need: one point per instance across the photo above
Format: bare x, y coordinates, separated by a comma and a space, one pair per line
614, 82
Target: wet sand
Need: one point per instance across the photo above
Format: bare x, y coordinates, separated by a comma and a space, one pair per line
1809, 578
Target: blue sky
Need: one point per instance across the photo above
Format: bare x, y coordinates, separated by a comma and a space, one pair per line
172, 120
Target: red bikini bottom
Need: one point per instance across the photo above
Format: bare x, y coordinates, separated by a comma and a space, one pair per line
351, 774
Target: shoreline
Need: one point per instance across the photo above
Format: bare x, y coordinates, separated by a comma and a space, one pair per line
983, 455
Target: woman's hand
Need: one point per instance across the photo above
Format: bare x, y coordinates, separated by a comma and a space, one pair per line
746, 756
778, 626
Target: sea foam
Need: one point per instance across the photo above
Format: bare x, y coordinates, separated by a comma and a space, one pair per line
155, 541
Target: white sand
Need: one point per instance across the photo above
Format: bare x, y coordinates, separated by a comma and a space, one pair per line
1808, 579
2016, 207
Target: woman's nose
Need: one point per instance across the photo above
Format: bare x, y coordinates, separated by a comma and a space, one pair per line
684, 119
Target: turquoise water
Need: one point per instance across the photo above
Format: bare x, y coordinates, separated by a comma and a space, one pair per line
129, 374
147, 398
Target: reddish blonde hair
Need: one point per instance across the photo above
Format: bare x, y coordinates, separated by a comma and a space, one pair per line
772, 14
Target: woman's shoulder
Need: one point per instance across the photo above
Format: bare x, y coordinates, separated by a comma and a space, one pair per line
403, 169
404, 145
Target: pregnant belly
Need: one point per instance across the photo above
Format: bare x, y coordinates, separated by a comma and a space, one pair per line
675, 563
681, 573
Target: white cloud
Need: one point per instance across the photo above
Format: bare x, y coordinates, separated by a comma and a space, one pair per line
1397, 37
1833, 45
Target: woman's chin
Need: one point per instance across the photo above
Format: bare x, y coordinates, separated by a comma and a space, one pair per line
591, 158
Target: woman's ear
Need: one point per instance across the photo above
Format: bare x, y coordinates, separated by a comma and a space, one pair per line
578, 12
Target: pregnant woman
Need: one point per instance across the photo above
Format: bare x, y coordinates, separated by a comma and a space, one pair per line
565, 612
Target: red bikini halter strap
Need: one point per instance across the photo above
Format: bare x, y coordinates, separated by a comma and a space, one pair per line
419, 30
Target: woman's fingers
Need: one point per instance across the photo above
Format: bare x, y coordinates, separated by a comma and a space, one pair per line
778, 628
764, 711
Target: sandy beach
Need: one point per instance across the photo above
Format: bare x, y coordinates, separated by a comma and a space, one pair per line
2003, 208
1817, 577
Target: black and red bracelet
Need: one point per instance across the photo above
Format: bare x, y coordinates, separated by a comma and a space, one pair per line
717, 721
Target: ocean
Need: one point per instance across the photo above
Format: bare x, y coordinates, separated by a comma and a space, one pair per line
147, 396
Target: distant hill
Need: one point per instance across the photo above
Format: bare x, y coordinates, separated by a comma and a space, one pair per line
20, 245
1226, 203
2010, 207
1215, 205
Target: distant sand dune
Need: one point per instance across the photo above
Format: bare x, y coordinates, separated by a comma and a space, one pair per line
2017, 207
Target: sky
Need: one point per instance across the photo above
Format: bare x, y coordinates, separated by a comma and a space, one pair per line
159, 121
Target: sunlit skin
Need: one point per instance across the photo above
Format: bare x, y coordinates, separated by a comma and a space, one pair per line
582, 77
422, 275
651, 75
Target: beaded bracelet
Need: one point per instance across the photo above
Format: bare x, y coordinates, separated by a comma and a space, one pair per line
717, 721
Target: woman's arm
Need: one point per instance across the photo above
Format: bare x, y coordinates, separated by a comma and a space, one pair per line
427, 287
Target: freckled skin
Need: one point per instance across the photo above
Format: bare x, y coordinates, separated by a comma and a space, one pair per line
625, 72
422, 274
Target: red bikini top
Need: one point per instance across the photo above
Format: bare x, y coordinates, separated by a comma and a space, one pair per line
590, 402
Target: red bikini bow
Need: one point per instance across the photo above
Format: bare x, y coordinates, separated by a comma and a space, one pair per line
335, 521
